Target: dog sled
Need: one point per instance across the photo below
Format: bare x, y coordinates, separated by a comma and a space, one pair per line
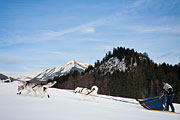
155, 104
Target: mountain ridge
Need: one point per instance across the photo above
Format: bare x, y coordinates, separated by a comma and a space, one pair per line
5, 78
60, 70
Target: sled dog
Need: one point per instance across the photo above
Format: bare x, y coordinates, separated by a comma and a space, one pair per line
33, 87
85, 92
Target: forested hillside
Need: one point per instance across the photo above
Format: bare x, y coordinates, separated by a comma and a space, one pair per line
125, 73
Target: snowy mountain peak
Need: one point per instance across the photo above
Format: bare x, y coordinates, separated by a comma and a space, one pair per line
62, 70
72, 62
76, 64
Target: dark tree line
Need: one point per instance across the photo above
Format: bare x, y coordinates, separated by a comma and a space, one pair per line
144, 80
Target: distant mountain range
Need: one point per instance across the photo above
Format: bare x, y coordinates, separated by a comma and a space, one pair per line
56, 71
4, 78
26, 77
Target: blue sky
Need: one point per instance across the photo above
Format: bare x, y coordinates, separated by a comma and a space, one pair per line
38, 34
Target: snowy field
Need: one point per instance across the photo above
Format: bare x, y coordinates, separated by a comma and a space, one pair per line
65, 105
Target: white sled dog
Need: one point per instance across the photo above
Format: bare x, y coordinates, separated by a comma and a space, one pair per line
33, 87
85, 92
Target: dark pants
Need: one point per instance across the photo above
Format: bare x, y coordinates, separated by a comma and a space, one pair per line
169, 102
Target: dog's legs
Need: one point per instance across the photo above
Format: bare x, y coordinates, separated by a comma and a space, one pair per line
42, 95
35, 94
48, 95
27, 92
95, 98
45, 91
40, 91
83, 98
32, 90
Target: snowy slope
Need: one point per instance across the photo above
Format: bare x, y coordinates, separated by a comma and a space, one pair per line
65, 105
62, 70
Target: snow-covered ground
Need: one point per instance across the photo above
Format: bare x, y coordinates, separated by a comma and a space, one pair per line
66, 105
